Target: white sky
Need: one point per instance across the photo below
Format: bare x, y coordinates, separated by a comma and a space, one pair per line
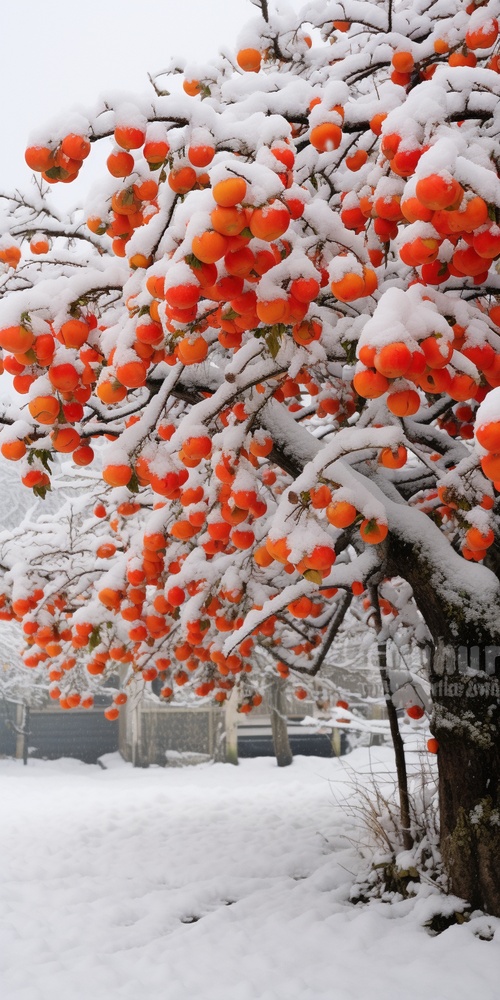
56, 55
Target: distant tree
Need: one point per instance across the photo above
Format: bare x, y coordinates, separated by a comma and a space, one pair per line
276, 334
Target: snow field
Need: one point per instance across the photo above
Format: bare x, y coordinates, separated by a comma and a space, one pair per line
211, 883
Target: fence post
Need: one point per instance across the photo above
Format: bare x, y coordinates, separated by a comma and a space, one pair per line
22, 731
135, 729
279, 722
231, 720
337, 742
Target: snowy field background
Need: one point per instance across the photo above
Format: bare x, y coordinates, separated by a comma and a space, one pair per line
212, 883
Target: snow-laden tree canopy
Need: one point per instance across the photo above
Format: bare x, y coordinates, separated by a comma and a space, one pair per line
265, 342
280, 307
270, 347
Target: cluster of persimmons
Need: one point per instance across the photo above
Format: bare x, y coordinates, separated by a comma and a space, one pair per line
232, 280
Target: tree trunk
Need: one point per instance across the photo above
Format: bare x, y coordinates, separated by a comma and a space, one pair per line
466, 724
281, 742
462, 612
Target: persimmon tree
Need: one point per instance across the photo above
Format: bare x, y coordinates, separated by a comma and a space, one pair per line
271, 348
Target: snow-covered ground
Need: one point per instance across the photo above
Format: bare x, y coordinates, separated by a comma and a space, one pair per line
212, 883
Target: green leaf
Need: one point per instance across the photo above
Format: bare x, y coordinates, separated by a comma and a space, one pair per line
349, 347
193, 261
41, 491
95, 638
133, 485
128, 196
56, 173
273, 340
44, 456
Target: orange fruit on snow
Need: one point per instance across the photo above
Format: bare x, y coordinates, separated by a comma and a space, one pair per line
370, 384
200, 155
74, 333
39, 158
191, 352
129, 137
415, 712
16, 339
65, 439
488, 435
10, 256
349, 288
132, 374
269, 222
117, 475
228, 221
301, 608
356, 160
325, 137
341, 514
209, 246
436, 191
393, 360
484, 36
393, 458
44, 409
83, 455
13, 450
182, 179
476, 539
403, 62
111, 391
372, 531
120, 163
249, 60
77, 147
273, 311
230, 191
403, 403
39, 244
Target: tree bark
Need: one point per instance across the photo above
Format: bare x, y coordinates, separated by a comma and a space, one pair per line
463, 616
281, 742
466, 724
